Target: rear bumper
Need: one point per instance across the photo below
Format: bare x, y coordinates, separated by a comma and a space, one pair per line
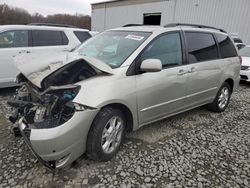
60, 146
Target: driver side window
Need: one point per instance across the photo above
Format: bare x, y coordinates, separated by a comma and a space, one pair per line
166, 48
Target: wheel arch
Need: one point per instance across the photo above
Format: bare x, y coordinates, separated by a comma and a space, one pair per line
126, 111
230, 81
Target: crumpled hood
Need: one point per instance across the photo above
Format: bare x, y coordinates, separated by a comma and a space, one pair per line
36, 67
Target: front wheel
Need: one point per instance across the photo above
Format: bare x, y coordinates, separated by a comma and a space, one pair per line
106, 134
222, 99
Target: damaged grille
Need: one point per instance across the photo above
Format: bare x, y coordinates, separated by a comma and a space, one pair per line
44, 110
50, 104
47, 123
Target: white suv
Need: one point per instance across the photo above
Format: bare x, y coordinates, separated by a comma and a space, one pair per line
17, 39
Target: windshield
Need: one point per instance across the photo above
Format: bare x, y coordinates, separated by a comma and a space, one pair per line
113, 47
245, 52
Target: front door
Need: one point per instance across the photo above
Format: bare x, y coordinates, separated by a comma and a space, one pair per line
162, 93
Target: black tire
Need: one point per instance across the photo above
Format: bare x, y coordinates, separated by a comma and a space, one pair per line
215, 105
95, 150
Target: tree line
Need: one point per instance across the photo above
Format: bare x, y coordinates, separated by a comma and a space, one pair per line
13, 15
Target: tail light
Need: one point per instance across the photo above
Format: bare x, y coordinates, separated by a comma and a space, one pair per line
240, 59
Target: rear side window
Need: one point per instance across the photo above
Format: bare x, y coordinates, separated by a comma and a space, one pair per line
227, 48
49, 38
201, 47
82, 36
14, 39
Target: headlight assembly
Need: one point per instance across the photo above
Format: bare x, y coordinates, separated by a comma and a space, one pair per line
81, 107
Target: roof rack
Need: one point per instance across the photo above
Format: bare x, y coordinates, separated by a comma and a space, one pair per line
194, 25
133, 25
138, 25
51, 24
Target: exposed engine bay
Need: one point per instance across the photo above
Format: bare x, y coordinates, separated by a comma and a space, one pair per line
51, 105
43, 111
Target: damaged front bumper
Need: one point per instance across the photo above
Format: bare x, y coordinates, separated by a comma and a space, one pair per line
25, 132
60, 146
52, 125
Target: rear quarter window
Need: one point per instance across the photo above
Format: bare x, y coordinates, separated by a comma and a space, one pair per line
49, 38
227, 48
82, 35
201, 47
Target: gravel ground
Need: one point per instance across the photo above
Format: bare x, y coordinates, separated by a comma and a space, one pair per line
194, 149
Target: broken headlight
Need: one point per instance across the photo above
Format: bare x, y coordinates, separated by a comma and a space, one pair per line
81, 107
46, 109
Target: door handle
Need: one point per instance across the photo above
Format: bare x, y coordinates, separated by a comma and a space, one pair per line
182, 72
24, 51
66, 50
21, 52
191, 70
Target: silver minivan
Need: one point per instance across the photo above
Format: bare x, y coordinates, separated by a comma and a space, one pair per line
118, 81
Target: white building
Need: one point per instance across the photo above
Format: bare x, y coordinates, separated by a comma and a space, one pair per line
231, 15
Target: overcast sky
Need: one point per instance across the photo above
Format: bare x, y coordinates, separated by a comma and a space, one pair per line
46, 7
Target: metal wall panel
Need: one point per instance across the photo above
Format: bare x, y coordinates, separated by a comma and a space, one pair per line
231, 15
121, 15
98, 19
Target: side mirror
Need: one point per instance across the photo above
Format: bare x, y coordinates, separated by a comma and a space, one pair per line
151, 65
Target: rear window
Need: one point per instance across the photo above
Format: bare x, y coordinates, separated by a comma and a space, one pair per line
49, 38
82, 36
227, 48
201, 47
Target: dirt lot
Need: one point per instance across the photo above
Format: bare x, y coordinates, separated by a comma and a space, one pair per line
194, 149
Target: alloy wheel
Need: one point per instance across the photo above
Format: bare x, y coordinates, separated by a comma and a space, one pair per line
112, 134
223, 97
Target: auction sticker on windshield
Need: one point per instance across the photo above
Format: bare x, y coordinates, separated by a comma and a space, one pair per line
134, 37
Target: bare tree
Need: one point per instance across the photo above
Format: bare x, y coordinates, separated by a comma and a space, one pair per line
10, 15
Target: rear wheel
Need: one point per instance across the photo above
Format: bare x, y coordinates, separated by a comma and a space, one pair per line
106, 134
222, 99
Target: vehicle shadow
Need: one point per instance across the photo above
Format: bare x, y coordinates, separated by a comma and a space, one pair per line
245, 84
170, 126
4, 92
